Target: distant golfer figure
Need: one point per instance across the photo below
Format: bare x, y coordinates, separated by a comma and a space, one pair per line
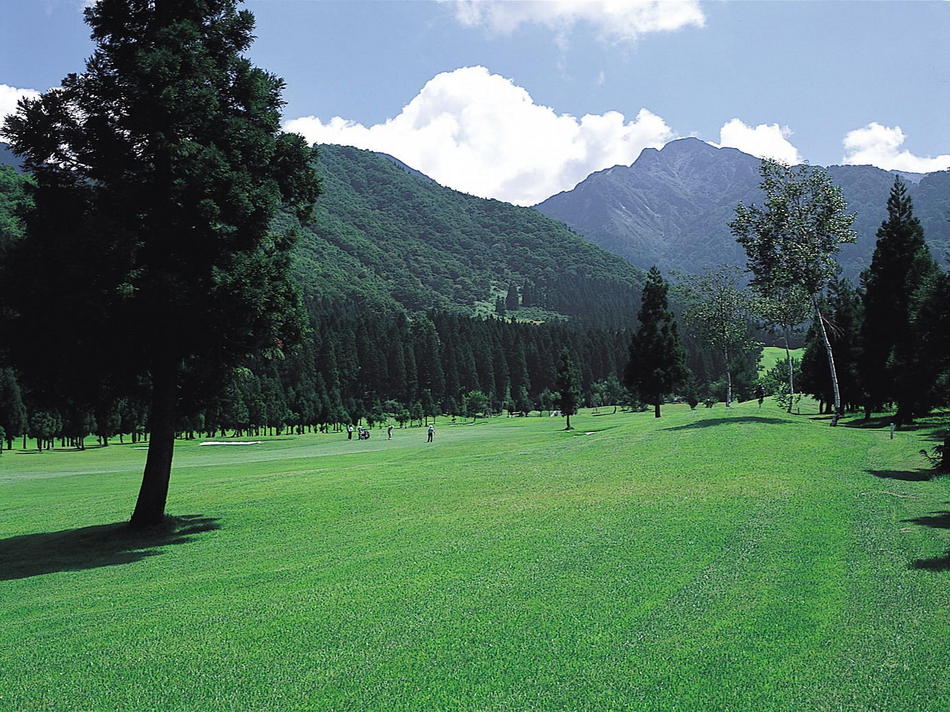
429, 433
389, 433
349, 431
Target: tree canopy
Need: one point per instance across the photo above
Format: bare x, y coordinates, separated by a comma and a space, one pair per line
792, 241
158, 171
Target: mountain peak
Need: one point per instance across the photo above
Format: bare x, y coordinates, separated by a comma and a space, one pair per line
689, 144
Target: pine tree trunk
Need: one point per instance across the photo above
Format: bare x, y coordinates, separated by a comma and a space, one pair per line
791, 376
568, 422
150, 507
656, 409
831, 363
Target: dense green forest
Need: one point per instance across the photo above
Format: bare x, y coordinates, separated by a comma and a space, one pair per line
504, 290
385, 238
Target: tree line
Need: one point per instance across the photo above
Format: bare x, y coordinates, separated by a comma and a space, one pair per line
881, 344
356, 366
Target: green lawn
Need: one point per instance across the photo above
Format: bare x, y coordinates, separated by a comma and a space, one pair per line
738, 559
772, 355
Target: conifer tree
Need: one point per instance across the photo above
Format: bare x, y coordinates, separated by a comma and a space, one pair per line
12, 411
656, 364
568, 386
901, 264
511, 299
932, 336
158, 172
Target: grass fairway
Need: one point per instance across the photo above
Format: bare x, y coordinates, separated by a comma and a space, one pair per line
738, 559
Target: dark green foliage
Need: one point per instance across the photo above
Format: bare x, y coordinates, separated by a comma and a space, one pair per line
932, 334
158, 172
13, 418
691, 392
842, 310
891, 360
44, 425
511, 299
475, 404
568, 386
656, 366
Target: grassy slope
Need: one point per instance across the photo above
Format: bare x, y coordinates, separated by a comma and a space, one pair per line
742, 560
772, 355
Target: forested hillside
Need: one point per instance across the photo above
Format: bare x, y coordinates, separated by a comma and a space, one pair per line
672, 206
385, 236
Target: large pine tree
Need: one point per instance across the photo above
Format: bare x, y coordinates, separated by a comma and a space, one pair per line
657, 362
158, 170
901, 264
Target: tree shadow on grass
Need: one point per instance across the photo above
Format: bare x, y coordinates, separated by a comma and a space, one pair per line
921, 475
92, 547
937, 563
936, 520
884, 422
711, 422
939, 520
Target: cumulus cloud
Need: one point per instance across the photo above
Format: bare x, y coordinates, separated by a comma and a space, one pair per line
614, 20
480, 133
762, 141
880, 146
9, 96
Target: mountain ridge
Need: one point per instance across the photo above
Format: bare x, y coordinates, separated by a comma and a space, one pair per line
671, 207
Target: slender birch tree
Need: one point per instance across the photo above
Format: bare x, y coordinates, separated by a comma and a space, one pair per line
792, 242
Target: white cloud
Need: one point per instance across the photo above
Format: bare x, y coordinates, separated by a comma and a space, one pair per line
762, 141
9, 96
480, 133
880, 146
614, 20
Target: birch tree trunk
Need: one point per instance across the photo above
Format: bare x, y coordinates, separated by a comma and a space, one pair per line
831, 362
791, 376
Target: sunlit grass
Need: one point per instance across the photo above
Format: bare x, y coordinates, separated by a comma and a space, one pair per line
738, 559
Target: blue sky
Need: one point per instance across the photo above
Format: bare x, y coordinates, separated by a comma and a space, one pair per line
520, 100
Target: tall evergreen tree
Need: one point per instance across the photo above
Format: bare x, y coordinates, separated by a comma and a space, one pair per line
657, 362
169, 154
568, 386
901, 264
